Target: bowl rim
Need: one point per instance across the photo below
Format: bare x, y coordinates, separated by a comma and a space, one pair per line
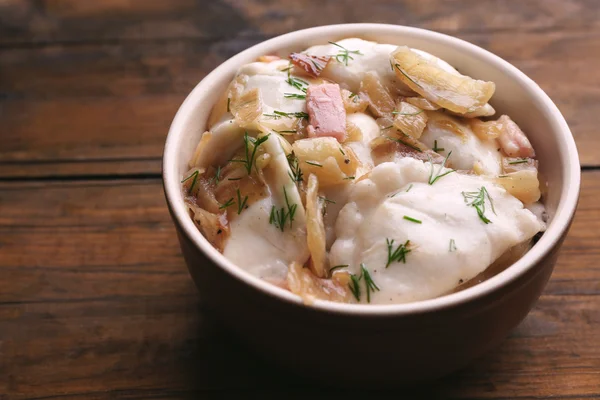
567, 152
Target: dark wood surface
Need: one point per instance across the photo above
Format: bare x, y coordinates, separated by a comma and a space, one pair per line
95, 299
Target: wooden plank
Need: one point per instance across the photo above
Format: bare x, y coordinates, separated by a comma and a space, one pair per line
47, 21
96, 302
116, 102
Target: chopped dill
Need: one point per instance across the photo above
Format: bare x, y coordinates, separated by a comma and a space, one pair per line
228, 104
524, 160
406, 76
314, 163
436, 148
477, 201
349, 178
411, 219
338, 267
241, 203
369, 283
217, 176
278, 114
251, 156
398, 255
294, 96
452, 246
286, 131
193, 175
228, 203
296, 173
279, 217
410, 187
343, 55
434, 177
342, 151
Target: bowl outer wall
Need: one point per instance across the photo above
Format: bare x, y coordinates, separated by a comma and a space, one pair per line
252, 296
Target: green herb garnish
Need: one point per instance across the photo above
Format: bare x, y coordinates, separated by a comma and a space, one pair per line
434, 177
338, 267
344, 54
411, 219
410, 187
250, 157
477, 200
326, 200
452, 246
228, 104
349, 178
435, 148
398, 255
314, 163
279, 217
524, 160
296, 173
229, 203
370, 285
241, 203
193, 175
294, 96
278, 114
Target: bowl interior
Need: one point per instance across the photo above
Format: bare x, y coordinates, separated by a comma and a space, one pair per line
516, 95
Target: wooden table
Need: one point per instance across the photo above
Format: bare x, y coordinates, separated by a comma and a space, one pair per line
95, 299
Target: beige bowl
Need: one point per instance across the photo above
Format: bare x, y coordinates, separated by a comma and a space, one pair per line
380, 343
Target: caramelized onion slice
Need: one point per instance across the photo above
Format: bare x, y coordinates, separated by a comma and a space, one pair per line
315, 228
379, 99
524, 185
457, 93
409, 119
353, 102
312, 65
247, 109
330, 161
214, 227
302, 282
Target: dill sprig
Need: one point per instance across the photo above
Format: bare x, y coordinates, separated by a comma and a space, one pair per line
217, 176
410, 187
411, 219
343, 55
370, 285
349, 178
279, 217
294, 96
241, 202
338, 267
435, 148
278, 114
342, 151
194, 176
521, 161
296, 83
434, 177
296, 173
406, 76
355, 97
398, 255
477, 201
228, 203
229, 104
314, 163
249, 141
452, 246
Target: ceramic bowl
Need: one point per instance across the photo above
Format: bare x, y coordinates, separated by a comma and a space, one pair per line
380, 343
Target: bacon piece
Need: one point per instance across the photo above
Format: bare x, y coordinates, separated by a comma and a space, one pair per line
312, 65
326, 112
512, 139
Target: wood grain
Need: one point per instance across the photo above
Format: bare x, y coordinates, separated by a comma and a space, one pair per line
95, 266
121, 95
95, 299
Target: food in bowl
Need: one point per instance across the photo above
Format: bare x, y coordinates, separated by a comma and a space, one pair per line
361, 172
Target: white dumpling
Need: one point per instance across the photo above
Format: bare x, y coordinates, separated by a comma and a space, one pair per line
373, 57
467, 149
259, 246
376, 211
